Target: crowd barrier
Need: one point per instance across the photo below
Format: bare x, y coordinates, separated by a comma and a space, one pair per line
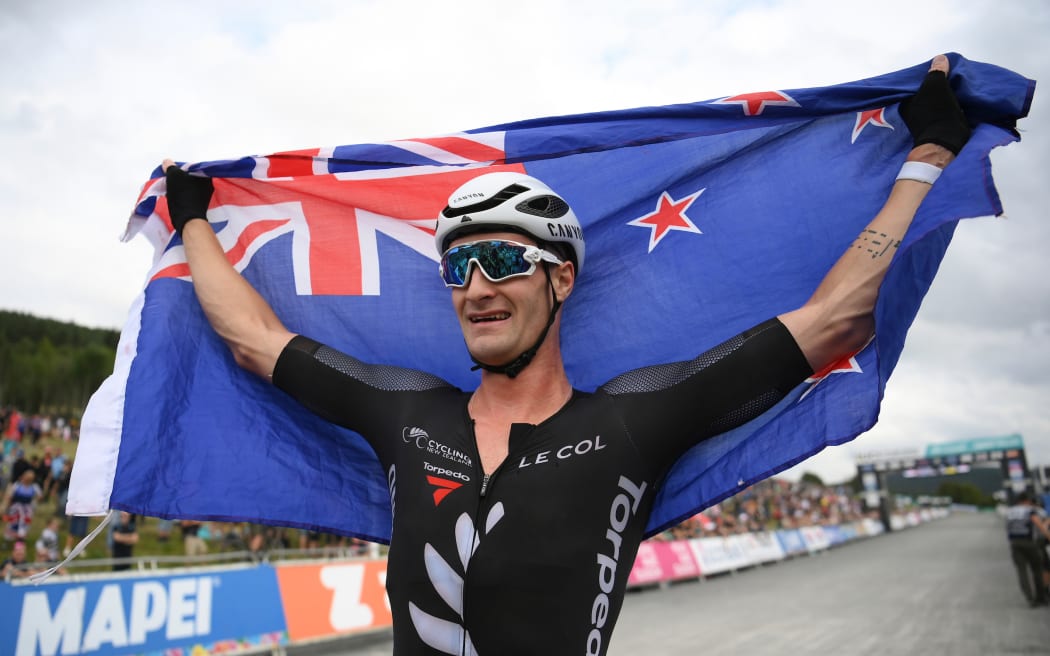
666, 562
263, 607
212, 610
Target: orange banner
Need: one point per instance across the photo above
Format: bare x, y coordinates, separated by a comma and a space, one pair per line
324, 599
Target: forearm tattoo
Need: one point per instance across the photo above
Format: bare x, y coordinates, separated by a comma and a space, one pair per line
877, 243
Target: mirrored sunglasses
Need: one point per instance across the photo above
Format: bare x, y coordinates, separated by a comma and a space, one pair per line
498, 259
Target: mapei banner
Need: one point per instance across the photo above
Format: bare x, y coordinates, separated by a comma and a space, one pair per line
326, 599
215, 611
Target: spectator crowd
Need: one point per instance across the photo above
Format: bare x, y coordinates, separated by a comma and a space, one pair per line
37, 461
770, 505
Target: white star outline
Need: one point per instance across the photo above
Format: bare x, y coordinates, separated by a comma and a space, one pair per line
877, 119
853, 368
666, 196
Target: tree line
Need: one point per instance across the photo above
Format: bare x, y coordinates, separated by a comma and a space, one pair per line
49, 366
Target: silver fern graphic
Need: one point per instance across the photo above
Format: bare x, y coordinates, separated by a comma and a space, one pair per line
449, 637
412, 433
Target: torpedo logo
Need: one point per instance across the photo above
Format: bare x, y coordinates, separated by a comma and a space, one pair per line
443, 487
436, 476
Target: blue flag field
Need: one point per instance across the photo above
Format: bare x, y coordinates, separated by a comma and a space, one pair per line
701, 220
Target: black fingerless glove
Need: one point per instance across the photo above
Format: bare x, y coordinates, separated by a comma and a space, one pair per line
933, 115
188, 197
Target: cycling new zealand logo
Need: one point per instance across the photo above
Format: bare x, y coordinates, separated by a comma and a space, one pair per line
421, 440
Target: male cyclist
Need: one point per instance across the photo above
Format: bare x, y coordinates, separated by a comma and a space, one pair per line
519, 507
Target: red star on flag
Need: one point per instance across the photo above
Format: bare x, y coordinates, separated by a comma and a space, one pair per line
870, 117
669, 215
756, 103
845, 365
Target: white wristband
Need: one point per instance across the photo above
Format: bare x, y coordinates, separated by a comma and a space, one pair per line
920, 172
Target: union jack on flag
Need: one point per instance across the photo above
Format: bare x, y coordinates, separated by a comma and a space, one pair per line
701, 220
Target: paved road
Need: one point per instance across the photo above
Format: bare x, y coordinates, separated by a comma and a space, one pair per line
943, 588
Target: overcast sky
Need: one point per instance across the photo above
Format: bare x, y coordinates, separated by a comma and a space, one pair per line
94, 94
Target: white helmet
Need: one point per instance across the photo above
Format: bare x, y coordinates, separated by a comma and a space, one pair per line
510, 201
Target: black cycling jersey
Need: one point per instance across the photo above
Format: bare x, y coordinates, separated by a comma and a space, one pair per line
534, 557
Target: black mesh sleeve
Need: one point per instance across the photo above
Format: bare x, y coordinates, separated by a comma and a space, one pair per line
670, 407
341, 388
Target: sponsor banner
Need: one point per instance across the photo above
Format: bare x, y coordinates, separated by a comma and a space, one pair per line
762, 547
218, 611
678, 561
647, 568
848, 532
872, 526
814, 538
833, 535
663, 561
719, 554
325, 599
791, 541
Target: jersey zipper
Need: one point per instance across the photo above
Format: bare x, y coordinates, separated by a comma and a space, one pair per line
487, 481
480, 509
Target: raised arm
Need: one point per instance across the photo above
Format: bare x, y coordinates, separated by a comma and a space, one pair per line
237, 312
838, 319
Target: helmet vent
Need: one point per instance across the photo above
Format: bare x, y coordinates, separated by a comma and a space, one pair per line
548, 207
498, 199
510, 192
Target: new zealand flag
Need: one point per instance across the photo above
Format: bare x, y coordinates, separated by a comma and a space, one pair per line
701, 220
